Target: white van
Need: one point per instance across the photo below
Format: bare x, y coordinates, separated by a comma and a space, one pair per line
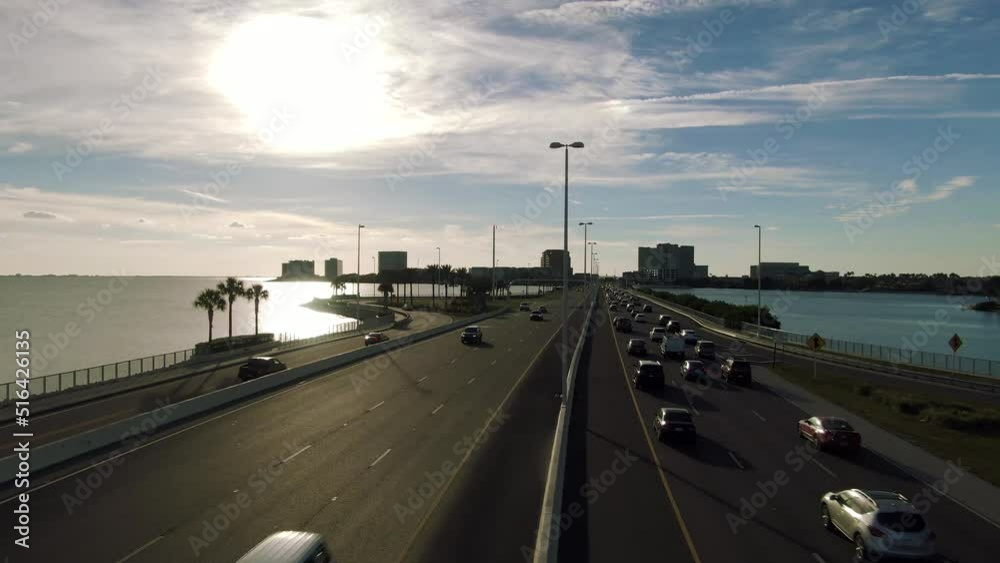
290, 547
672, 347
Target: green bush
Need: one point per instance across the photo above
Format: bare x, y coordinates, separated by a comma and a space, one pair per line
733, 315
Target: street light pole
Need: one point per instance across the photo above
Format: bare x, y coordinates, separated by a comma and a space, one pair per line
493, 270
565, 258
760, 276
585, 225
357, 284
593, 252
437, 274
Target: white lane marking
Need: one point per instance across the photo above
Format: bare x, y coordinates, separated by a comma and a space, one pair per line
136, 552
379, 458
759, 416
376, 406
289, 458
421, 380
493, 363
471, 380
736, 461
509, 349
439, 407
824, 468
453, 361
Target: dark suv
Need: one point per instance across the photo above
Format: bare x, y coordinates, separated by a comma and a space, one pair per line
259, 366
648, 373
736, 370
623, 324
472, 335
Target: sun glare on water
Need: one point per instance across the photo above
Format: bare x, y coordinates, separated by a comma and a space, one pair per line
333, 86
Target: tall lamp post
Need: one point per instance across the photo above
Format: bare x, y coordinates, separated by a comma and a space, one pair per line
585, 249
437, 274
565, 263
374, 279
357, 285
760, 276
593, 253
493, 270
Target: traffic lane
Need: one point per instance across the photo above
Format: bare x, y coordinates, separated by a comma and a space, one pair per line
489, 511
54, 426
250, 437
733, 346
759, 411
614, 505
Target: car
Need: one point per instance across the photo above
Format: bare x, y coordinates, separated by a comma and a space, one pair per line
673, 327
472, 335
672, 347
657, 333
290, 547
881, 524
612, 307
735, 369
636, 347
663, 320
375, 338
260, 365
536, 316
648, 373
543, 309
690, 337
622, 324
524, 306
647, 308
705, 349
693, 370
674, 423
829, 432
640, 318
630, 308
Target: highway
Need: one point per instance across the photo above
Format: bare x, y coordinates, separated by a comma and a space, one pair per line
364, 455
62, 423
684, 503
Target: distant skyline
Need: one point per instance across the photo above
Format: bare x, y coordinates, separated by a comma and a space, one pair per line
225, 138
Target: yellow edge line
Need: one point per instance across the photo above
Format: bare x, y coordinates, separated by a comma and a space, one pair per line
652, 451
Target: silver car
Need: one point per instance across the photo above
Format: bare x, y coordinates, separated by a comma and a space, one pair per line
881, 524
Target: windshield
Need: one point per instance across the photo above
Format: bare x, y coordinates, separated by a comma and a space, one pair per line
678, 416
837, 424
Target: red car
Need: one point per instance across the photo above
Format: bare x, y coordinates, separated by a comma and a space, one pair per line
829, 432
375, 338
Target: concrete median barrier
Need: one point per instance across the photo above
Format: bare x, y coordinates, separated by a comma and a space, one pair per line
139, 427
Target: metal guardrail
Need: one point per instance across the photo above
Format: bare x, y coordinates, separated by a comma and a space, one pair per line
66, 380
890, 354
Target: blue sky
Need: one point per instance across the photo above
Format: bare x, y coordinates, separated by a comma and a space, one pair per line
223, 137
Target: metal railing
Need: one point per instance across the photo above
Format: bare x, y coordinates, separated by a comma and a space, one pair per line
888, 354
129, 368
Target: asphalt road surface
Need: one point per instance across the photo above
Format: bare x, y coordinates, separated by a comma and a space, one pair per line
436, 452
51, 426
696, 503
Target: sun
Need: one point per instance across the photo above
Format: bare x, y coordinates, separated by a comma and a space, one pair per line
330, 78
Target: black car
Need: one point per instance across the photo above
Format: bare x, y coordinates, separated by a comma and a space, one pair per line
648, 373
259, 366
693, 370
472, 335
636, 347
674, 423
536, 316
647, 308
734, 369
543, 309
622, 324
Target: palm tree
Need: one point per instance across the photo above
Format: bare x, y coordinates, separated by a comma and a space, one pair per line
211, 301
232, 289
256, 293
446, 277
460, 276
432, 269
338, 286
386, 289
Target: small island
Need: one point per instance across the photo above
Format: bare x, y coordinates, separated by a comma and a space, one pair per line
989, 306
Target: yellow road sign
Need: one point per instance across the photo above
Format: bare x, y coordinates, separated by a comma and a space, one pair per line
955, 342
815, 342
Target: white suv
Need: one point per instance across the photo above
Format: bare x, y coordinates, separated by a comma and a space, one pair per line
879, 523
657, 334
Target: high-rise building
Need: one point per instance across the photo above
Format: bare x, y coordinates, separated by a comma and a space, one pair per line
700, 272
780, 270
391, 260
666, 262
298, 268
332, 268
552, 260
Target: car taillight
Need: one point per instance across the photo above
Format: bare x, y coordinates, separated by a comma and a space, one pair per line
876, 532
